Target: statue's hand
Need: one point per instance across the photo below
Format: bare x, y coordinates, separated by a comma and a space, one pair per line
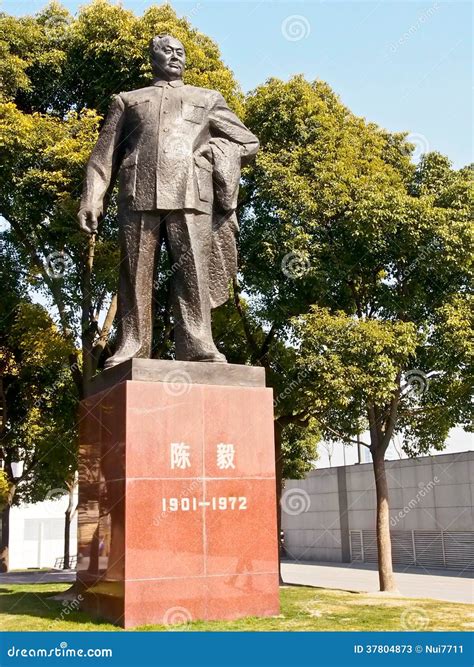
204, 151
220, 144
89, 219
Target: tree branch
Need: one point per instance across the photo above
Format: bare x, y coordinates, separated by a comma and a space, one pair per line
391, 419
248, 334
267, 342
356, 297
341, 436
50, 282
374, 432
104, 333
300, 419
3, 416
87, 327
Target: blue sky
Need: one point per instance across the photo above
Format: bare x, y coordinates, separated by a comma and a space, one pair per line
405, 65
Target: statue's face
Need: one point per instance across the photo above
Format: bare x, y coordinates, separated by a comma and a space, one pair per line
168, 58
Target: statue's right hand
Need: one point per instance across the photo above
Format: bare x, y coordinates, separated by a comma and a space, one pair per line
89, 219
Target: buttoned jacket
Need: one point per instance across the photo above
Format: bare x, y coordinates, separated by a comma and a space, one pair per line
157, 140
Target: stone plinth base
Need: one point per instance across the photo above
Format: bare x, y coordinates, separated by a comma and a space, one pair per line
177, 509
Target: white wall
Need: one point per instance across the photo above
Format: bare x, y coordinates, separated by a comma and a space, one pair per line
37, 534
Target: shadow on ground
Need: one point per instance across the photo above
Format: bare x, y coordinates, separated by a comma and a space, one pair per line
40, 604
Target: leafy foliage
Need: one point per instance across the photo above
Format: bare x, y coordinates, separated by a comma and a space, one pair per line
4, 489
362, 263
40, 403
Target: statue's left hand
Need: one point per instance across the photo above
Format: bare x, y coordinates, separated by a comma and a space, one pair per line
89, 219
220, 144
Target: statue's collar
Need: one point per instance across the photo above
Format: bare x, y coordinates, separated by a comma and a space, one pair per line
173, 84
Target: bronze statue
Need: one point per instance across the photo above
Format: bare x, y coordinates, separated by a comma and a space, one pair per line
178, 151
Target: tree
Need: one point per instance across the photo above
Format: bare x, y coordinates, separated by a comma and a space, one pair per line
38, 400
355, 368
71, 509
359, 264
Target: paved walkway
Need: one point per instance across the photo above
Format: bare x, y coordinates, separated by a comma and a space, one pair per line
448, 585
38, 577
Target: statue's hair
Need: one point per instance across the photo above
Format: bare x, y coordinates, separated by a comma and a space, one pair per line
154, 41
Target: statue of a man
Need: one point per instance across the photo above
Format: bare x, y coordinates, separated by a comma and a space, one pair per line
178, 151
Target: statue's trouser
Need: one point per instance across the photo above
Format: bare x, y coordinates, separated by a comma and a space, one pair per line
188, 235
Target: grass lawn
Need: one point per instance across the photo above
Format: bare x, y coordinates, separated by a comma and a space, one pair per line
28, 607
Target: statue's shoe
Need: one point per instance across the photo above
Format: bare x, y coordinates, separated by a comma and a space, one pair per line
115, 361
216, 358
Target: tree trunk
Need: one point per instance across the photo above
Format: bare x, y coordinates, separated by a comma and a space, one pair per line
68, 517
384, 544
94, 553
5, 539
67, 536
279, 480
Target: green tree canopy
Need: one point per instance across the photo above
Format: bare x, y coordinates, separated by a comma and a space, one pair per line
339, 219
360, 263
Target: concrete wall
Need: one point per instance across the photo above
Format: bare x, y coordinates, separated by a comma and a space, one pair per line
431, 493
315, 532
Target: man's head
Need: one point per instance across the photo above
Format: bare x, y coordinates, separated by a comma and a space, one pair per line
167, 57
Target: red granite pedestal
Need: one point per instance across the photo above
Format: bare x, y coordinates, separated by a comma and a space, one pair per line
177, 509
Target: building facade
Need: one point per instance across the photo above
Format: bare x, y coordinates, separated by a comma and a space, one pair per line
37, 535
330, 515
